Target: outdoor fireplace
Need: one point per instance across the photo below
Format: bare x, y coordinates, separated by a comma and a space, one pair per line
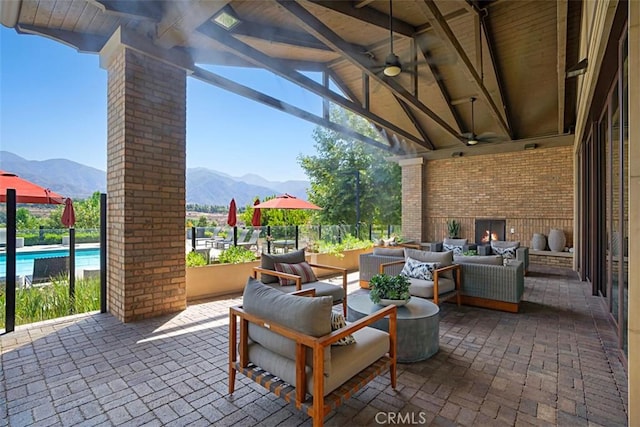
490, 229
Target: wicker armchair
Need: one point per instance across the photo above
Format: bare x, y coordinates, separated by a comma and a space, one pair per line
493, 286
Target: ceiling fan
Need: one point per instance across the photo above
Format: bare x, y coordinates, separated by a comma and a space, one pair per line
392, 66
471, 138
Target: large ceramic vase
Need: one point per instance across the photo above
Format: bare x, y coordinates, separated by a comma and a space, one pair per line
557, 240
538, 242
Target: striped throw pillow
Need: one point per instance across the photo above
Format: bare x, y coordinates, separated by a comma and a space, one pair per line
302, 269
338, 322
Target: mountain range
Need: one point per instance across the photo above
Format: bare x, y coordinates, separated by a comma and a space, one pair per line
204, 186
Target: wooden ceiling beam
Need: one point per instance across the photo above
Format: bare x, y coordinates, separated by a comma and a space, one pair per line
412, 117
442, 89
180, 20
250, 54
278, 35
431, 11
368, 15
362, 3
254, 95
146, 10
488, 35
352, 96
206, 56
85, 43
562, 12
314, 26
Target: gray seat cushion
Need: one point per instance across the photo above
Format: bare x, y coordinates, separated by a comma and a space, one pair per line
424, 288
268, 260
397, 252
346, 361
310, 316
323, 289
489, 259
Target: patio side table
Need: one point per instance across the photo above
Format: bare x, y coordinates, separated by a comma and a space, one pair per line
418, 325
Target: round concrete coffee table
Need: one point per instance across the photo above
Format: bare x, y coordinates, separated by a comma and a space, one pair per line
418, 325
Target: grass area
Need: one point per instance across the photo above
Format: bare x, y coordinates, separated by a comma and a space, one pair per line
52, 301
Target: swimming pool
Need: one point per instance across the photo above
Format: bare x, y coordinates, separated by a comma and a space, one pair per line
85, 258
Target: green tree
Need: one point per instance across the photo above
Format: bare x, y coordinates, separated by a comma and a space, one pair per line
87, 213
332, 172
25, 220
202, 221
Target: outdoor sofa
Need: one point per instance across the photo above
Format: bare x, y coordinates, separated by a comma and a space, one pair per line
483, 281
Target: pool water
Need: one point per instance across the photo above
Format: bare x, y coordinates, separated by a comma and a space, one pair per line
85, 258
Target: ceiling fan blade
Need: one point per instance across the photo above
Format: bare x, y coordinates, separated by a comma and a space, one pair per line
468, 135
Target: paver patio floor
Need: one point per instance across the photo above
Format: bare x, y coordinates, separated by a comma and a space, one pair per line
554, 363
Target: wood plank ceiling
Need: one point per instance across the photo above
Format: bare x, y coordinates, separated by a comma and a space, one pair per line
511, 57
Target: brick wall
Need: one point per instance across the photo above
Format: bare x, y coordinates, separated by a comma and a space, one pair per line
413, 199
532, 190
146, 186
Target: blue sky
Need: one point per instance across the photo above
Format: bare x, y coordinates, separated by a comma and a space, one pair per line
53, 105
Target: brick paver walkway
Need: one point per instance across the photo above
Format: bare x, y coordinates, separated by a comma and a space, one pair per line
554, 363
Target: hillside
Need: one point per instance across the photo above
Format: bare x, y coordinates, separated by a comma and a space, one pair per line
204, 186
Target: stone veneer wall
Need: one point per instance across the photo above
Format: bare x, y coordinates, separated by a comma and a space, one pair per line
146, 161
532, 190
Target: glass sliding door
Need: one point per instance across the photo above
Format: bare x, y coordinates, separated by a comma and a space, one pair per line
623, 220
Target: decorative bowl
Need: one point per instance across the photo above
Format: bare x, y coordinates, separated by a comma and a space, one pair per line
397, 302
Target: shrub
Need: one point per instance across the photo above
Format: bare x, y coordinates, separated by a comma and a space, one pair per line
51, 301
349, 242
384, 286
236, 255
195, 259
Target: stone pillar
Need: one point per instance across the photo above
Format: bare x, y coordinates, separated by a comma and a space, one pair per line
633, 357
146, 163
413, 199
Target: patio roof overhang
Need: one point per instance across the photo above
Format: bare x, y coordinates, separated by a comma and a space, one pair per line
512, 57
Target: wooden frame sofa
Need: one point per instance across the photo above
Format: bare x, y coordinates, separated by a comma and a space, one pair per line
284, 342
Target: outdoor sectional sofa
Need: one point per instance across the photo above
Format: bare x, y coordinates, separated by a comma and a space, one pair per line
486, 280
370, 263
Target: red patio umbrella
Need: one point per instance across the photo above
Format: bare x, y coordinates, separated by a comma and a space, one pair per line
26, 192
231, 217
286, 201
257, 216
68, 215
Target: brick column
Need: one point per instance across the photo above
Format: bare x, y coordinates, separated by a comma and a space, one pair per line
145, 184
413, 199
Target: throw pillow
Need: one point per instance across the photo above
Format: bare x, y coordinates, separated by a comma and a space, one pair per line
338, 322
302, 269
506, 249
419, 270
457, 249
267, 261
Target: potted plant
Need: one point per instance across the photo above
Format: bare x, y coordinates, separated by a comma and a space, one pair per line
386, 290
453, 228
